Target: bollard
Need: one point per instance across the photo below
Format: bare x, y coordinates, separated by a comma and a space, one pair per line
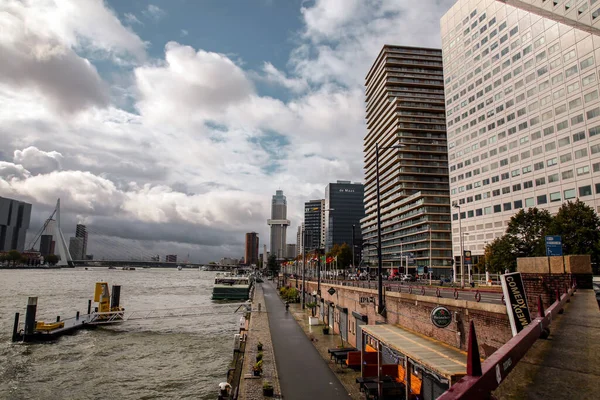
30, 317
89, 306
58, 318
259, 307
77, 315
15, 335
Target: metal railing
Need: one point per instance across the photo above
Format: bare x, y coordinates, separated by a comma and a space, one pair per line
483, 378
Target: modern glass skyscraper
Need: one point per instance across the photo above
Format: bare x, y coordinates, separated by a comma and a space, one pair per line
405, 107
343, 208
278, 224
523, 114
314, 223
81, 232
14, 221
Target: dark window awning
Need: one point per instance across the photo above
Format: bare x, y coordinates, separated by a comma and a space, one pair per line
362, 317
342, 309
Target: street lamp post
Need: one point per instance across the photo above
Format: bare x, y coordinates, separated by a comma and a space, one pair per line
460, 239
379, 250
303, 266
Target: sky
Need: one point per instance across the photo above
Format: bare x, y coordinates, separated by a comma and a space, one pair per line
166, 126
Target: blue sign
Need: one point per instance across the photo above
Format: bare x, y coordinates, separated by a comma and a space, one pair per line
420, 270
554, 246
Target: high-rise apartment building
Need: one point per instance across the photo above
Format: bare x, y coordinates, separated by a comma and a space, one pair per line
523, 113
343, 208
251, 253
300, 239
14, 221
405, 108
278, 224
290, 250
314, 223
81, 232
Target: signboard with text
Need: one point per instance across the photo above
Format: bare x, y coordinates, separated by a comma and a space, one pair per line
516, 301
441, 317
554, 246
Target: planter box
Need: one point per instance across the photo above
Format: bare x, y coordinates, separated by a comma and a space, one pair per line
313, 321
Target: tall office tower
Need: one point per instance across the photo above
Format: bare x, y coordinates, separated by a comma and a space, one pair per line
523, 111
81, 232
251, 253
343, 208
76, 248
290, 250
14, 221
300, 239
46, 245
278, 224
405, 108
314, 223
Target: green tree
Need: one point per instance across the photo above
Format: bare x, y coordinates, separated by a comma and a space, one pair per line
51, 259
526, 232
272, 264
344, 257
14, 256
501, 255
579, 227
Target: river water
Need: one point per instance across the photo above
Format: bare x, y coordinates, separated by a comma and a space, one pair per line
174, 358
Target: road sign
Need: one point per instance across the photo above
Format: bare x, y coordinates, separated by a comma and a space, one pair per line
554, 246
331, 291
468, 259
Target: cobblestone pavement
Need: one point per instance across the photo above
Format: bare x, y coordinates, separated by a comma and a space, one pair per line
251, 387
347, 376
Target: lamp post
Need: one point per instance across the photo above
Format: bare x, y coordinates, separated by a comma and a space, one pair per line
460, 239
379, 255
303, 266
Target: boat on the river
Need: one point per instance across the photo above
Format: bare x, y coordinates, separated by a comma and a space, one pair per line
179, 268
128, 268
232, 287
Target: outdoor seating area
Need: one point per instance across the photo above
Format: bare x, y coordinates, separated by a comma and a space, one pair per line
393, 354
340, 355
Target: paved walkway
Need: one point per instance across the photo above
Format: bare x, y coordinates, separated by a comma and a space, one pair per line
565, 365
303, 374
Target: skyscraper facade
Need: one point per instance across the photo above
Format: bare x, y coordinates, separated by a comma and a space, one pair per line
521, 85
81, 232
278, 223
343, 208
14, 221
405, 108
300, 239
76, 248
251, 253
314, 223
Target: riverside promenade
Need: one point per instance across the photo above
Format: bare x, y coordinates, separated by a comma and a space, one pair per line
303, 373
258, 331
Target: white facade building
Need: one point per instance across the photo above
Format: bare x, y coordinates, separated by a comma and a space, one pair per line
522, 108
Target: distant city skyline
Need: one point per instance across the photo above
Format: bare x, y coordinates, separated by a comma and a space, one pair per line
190, 133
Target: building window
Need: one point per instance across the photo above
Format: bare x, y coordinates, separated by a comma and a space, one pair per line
585, 191
518, 204
497, 208
580, 153
528, 184
583, 170
540, 181
565, 157
552, 178
542, 199
551, 162
555, 196
507, 206
569, 194
567, 174
529, 202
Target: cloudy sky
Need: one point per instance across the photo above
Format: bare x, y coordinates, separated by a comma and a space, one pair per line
167, 125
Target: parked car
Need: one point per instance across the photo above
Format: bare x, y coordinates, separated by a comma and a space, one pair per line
407, 278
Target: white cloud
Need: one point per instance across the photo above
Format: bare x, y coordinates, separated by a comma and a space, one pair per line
132, 19
154, 12
38, 161
200, 162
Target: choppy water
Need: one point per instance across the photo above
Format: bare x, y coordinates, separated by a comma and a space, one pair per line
152, 359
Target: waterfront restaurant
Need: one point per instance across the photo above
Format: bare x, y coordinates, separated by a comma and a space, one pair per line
432, 366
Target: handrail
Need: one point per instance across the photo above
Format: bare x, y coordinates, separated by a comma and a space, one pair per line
481, 379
